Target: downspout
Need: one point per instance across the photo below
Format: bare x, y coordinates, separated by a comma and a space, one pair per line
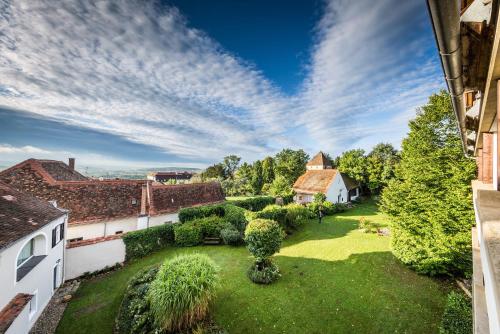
445, 17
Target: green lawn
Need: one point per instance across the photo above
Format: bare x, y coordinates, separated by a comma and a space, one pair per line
336, 279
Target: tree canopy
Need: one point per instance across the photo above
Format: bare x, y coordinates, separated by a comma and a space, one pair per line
430, 199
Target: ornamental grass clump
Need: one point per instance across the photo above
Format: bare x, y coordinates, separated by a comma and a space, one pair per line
263, 238
182, 291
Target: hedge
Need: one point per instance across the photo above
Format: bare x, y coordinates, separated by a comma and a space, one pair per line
254, 203
273, 212
143, 242
187, 214
457, 317
193, 232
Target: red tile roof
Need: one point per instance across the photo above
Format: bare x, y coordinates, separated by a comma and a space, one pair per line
92, 200
22, 214
320, 159
10, 312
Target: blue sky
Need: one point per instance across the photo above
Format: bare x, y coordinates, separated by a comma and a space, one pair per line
186, 82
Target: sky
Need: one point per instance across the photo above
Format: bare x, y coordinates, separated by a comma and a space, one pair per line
187, 82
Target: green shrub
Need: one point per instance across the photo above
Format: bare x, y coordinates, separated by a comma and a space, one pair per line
187, 214
182, 291
263, 273
368, 226
263, 238
457, 317
254, 203
296, 215
231, 236
210, 226
273, 212
134, 314
235, 216
288, 199
188, 234
329, 208
143, 242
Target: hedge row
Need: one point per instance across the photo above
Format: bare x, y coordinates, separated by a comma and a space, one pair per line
254, 203
457, 317
143, 242
193, 232
196, 212
289, 217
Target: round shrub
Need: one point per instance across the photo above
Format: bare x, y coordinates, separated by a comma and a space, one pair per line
231, 236
264, 273
134, 315
263, 238
235, 216
296, 215
182, 291
273, 212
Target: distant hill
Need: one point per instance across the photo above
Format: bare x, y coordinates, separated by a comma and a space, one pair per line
139, 173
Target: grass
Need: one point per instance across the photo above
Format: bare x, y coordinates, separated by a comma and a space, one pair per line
336, 279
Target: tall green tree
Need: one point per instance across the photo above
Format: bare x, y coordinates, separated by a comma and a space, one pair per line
430, 201
353, 163
230, 164
257, 178
213, 172
290, 164
380, 166
268, 170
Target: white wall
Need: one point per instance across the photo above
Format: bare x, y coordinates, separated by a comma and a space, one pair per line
102, 229
39, 279
93, 257
337, 188
161, 219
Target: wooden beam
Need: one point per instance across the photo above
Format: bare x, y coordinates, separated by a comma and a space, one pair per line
487, 157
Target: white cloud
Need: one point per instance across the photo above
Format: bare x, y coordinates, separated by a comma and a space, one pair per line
9, 149
135, 71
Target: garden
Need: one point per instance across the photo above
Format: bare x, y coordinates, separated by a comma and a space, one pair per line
282, 272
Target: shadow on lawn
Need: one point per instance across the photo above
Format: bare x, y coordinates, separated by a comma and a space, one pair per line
363, 293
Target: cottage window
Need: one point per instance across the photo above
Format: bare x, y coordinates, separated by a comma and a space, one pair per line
118, 232
75, 239
26, 253
57, 234
33, 304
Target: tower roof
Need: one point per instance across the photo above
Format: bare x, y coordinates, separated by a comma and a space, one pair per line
320, 159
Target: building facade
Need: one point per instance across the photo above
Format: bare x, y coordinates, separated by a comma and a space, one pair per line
32, 244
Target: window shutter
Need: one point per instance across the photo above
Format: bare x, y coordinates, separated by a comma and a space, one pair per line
53, 237
62, 232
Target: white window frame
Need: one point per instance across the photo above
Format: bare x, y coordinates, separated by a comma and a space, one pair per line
32, 243
34, 300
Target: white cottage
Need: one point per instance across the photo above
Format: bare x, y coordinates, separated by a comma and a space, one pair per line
31, 257
320, 177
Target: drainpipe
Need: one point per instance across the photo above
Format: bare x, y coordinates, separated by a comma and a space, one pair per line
445, 17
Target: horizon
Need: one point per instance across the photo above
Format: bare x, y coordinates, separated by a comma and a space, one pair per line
185, 83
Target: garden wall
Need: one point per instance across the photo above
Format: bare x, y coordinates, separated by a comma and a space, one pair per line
93, 255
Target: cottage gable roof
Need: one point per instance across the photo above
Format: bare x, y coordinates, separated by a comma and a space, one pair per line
50, 170
22, 214
349, 182
321, 160
315, 181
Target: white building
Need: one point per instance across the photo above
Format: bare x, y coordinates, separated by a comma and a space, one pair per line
31, 257
320, 177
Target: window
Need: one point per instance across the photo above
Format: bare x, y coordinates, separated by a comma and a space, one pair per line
57, 234
33, 304
75, 239
118, 232
26, 252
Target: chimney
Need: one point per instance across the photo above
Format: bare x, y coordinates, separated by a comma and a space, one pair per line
71, 163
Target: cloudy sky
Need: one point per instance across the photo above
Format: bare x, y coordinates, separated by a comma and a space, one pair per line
138, 83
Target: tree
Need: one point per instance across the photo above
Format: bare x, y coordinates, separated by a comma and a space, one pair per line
353, 163
230, 165
380, 166
430, 200
257, 178
280, 187
213, 172
290, 164
268, 170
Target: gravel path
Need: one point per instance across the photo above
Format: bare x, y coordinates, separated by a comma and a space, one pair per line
49, 319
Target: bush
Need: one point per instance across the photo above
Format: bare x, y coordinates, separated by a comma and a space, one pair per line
287, 199
368, 226
254, 203
263, 238
296, 215
187, 214
273, 212
235, 216
210, 226
188, 235
182, 291
457, 317
231, 236
264, 274
134, 314
329, 208
143, 242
